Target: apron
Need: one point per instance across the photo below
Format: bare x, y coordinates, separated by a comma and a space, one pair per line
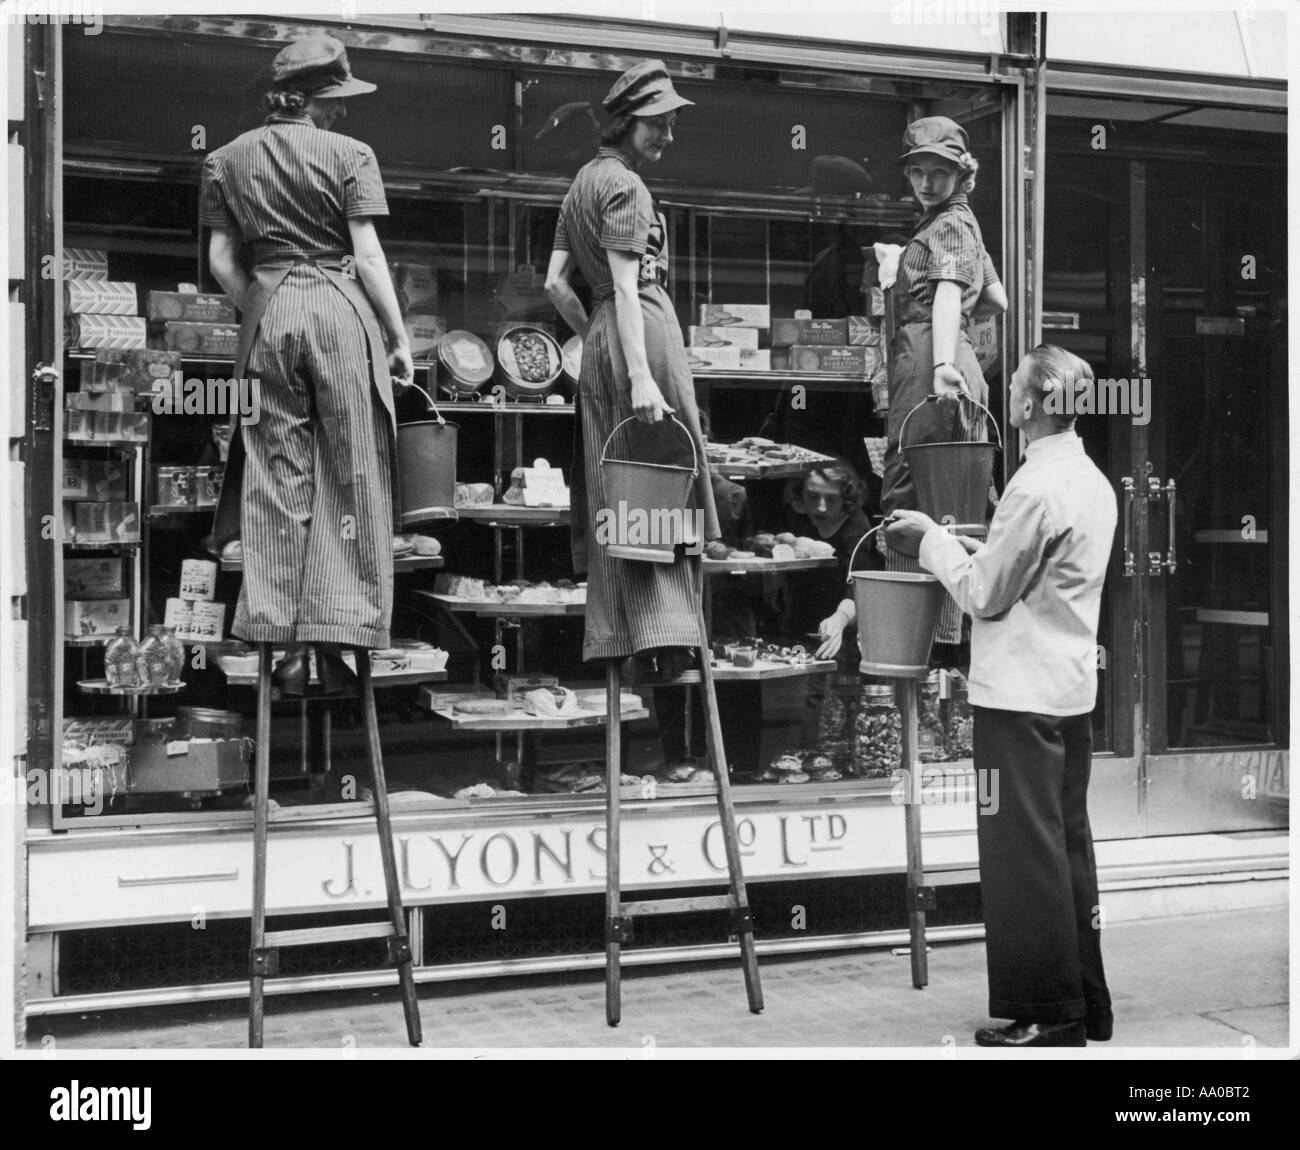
911, 378
268, 273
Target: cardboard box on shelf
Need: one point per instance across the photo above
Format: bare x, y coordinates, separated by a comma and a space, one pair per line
198, 580
809, 332
192, 338
129, 369
94, 578
106, 426
95, 480
859, 361
84, 264
189, 766
207, 484
416, 286
174, 486
709, 337
95, 618
111, 522
196, 620
735, 315
100, 297
424, 332
877, 305
119, 331
752, 359
99, 401
197, 307
863, 332
713, 358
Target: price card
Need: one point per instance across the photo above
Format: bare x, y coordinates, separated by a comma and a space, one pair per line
198, 580
544, 486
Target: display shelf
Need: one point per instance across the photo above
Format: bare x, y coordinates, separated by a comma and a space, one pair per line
778, 380
449, 406
400, 564
121, 444
101, 687
488, 608
512, 515
772, 566
88, 640
724, 672
92, 545
162, 511
377, 678
785, 469
522, 721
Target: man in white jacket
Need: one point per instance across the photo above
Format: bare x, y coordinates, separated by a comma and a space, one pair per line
1034, 594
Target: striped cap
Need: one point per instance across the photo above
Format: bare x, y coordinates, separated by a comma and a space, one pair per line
646, 90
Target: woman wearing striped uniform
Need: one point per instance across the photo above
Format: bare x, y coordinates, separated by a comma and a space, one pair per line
309, 485
633, 364
944, 277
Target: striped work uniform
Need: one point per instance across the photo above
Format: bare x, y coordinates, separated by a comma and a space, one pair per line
312, 478
945, 245
632, 605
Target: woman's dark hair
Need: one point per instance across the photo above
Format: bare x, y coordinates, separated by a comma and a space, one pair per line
839, 472
284, 100
617, 130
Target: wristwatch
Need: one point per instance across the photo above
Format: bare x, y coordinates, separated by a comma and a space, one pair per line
945, 363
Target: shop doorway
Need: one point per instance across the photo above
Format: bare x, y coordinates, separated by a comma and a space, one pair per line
1213, 476
1167, 275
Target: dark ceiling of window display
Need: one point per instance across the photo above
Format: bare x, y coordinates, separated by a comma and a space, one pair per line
738, 136
147, 94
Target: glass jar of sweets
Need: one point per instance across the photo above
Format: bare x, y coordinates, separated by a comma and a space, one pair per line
120, 659
877, 733
931, 738
153, 660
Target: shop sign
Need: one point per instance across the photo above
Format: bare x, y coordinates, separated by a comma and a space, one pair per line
495, 861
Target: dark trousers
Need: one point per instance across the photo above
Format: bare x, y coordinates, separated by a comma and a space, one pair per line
1038, 876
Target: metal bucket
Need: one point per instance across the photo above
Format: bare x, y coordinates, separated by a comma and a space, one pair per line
952, 479
647, 512
426, 459
207, 723
898, 614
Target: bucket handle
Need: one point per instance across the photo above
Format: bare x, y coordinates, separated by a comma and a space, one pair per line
936, 399
438, 414
695, 465
888, 519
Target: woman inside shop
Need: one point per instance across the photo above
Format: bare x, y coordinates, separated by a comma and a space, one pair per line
944, 278
633, 365
309, 485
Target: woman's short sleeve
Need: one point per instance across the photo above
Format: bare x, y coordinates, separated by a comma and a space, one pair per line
990, 272
561, 243
363, 187
954, 253
626, 215
214, 212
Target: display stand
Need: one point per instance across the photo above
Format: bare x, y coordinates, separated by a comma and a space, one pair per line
619, 914
264, 946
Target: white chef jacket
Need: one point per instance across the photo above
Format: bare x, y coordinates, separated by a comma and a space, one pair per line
1033, 591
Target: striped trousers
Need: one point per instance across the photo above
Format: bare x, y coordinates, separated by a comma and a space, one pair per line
316, 516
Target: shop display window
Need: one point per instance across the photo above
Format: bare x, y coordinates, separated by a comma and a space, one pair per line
776, 190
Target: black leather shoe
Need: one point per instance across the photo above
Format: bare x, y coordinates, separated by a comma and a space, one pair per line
1100, 1023
291, 674
1033, 1034
336, 678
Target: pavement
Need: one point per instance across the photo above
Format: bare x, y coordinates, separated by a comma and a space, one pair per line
1198, 983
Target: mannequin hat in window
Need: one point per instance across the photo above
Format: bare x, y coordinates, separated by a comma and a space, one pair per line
317, 66
938, 136
646, 90
836, 176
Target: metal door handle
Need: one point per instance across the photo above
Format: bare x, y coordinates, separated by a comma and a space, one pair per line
1130, 568
1169, 561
